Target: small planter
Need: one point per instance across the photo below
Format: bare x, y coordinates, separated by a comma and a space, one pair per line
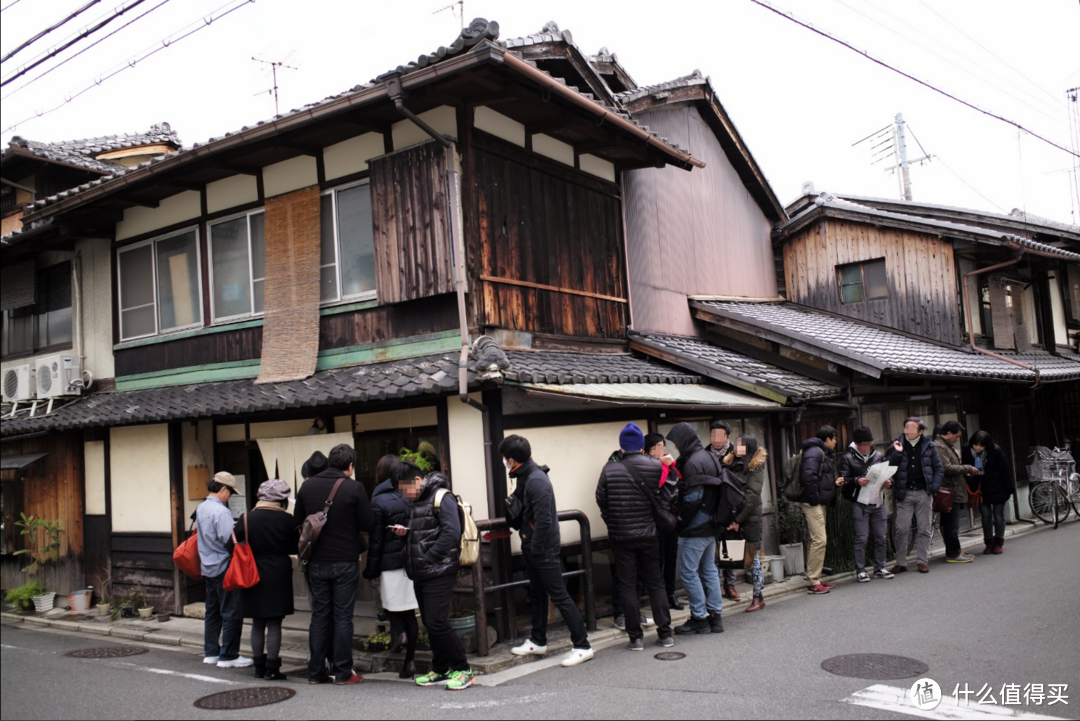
79, 600
146, 613
103, 608
776, 565
127, 612
162, 617
44, 603
465, 629
794, 564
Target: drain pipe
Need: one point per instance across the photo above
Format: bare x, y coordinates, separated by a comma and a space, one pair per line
457, 255
971, 324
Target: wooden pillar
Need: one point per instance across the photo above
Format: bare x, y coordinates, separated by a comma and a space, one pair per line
177, 495
502, 567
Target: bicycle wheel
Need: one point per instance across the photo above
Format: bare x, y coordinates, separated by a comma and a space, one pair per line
1042, 502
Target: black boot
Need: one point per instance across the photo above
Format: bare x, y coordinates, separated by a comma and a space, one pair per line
716, 622
259, 662
674, 605
408, 670
694, 625
273, 670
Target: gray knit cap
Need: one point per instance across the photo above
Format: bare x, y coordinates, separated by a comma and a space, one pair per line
274, 490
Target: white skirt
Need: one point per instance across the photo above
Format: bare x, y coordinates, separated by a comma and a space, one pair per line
396, 591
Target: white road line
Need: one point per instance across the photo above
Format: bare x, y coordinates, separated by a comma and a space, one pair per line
493, 703
889, 698
167, 672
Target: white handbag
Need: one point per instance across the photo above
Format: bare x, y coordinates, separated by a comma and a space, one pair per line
730, 552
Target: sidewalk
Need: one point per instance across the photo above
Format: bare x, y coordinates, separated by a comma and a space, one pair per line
187, 633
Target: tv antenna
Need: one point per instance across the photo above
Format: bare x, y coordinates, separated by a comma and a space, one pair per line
891, 142
274, 65
458, 13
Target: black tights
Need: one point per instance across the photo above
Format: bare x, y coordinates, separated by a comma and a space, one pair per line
270, 629
405, 622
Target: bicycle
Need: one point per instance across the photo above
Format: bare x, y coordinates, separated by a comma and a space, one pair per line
1055, 485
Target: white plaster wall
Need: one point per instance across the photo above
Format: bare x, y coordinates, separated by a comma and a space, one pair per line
405, 418
443, 119
1057, 306
170, 211
231, 433
197, 450
500, 126
290, 175
351, 156
598, 167
139, 475
94, 470
231, 192
554, 149
467, 470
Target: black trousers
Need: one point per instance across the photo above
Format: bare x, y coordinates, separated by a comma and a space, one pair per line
641, 560
546, 581
669, 560
333, 595
447, 651
950, 531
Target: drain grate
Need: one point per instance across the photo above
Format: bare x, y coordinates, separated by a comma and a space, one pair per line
107, 652
245, 698
874, 666
670, 656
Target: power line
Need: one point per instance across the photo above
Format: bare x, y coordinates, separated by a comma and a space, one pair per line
49, 29
66, 60
10, 4
204, 22
925, 84
969, 185
61, 48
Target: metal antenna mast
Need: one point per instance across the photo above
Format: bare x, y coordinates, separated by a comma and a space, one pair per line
460, 12
274, 65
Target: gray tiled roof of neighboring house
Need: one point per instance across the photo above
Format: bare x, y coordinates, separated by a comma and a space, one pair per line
694, 78
568, 368
83, 152
738, 369
886, 350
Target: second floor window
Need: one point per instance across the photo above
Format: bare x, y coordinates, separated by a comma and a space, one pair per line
237, 266
347, 256
862, 281
45, 325
160, 286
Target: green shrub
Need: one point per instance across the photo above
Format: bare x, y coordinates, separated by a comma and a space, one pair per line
23, 596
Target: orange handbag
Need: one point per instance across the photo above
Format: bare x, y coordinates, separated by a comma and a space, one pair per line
186, 555
242, 573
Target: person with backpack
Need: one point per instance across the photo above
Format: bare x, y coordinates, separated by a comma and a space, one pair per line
956, 473
721, 447
747, 461
541, 549
697, 531
432, 561
333, 572
669, 542
386, 564
214, 525
819, 482
918, 477
272, 533
633, 504
854, 466
995, 483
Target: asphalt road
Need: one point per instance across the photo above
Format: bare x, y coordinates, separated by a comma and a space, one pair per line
1009, 619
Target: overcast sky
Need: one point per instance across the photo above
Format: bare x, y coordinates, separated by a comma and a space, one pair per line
799, 99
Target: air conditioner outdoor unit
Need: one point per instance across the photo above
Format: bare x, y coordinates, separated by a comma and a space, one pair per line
56, 376
19, 383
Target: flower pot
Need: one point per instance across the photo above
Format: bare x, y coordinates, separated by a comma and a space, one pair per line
465, 629
44, 603
79, 600
776, 565
103, 608
793, 559
162, 617
146, 613
127, 612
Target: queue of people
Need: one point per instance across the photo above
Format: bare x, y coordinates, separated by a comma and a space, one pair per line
664, 517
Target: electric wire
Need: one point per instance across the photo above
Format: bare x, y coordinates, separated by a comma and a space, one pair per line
969, 185
64, 46
789, 16
166, 43
872, 135
10, 4
49, 29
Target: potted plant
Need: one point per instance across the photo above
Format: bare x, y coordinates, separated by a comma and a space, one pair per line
125, 606
23, 596
377, 642
43, 541
104, 590
146, 612
790, 526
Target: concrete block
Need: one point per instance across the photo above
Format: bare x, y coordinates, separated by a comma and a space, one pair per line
128, 633
36, 621
165, 639
195, 610
95, 629
196, 642
65, 625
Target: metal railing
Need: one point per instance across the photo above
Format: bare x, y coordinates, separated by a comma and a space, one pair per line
480, 591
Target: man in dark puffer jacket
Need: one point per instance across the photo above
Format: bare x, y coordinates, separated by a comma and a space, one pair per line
635, 541
919, 476
819, 482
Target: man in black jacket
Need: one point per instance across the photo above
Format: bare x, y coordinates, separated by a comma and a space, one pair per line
333, 572
817, 472
541, 548
623, 495
854, 467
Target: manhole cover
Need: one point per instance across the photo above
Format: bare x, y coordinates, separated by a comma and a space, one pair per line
107, 652
874, 666
670, 656
245, 698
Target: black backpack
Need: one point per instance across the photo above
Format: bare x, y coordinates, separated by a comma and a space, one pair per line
730, 499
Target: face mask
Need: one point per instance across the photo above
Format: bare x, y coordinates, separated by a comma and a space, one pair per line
509, 464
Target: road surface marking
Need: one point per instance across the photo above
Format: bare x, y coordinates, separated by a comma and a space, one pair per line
493, 703
167, 672
889, 698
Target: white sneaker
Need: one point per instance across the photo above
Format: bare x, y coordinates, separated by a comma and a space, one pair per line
647, 621
210, 659
577, 657
238, 662
529, 649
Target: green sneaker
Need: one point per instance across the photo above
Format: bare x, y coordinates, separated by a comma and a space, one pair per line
460, 680
432, 679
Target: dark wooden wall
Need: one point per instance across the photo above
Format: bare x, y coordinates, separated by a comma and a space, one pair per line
144, 561
550, 245
921, 272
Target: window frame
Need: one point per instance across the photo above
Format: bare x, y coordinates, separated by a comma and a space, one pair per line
341, 298
214, 320
152, 242
42, 288
840, 284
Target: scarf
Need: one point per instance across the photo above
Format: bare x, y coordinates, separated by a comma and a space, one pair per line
269, 506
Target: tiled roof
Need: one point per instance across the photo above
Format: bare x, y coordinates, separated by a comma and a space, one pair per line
885, 350
694, 78
738, 369
82, 152
568, 368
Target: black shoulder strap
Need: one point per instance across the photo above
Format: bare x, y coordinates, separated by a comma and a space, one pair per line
641, 484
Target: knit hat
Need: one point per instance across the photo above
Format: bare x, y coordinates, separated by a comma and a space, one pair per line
631, 438
863, 434
274, 490
314, 465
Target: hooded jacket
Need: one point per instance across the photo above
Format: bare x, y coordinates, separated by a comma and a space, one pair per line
389, 508
540, 524
955, 472
433, 549
626, 510
817, 473
996, 482
697, 490
932, 468
853, 465
753, 473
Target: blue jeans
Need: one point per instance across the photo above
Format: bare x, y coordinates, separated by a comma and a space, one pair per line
993, 520
333, 597
223, 619
697, 569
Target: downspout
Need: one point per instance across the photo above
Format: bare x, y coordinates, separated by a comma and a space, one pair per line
397, 93
970, 323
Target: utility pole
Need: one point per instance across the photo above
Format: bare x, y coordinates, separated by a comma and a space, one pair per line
274, 65
905, 168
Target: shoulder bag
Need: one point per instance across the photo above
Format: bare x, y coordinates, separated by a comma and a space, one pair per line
665, 519
313, 526
242, 573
